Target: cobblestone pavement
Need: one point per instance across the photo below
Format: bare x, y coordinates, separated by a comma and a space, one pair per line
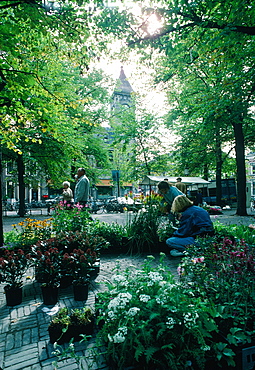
24, 339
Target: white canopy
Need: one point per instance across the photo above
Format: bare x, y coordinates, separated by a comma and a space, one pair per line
154, 180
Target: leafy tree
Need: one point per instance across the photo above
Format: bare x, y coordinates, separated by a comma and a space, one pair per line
44, 56
219, 34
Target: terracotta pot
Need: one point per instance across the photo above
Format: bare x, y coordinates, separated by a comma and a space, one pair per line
13, 296
50, 295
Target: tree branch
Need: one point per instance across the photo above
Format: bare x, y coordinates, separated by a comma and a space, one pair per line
203, 24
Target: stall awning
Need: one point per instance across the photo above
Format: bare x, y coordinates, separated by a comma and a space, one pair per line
154, 180
104, 182
109, 182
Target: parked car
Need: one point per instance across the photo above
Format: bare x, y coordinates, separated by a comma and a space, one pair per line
52, 201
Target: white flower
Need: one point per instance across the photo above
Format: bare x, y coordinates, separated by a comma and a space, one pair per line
111, 315
119, 279
144, 297
190, 319
160, 300
119, 302
206, 348
170, 322
154, 277
119, 337
133, 311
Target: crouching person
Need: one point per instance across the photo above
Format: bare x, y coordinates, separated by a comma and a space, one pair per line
194, 221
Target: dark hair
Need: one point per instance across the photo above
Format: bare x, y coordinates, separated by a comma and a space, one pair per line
179, 179
163, 185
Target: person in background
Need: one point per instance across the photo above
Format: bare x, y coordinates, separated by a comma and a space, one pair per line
181, 186
81, 190
194, 221
169, 192
199, 198
67, 192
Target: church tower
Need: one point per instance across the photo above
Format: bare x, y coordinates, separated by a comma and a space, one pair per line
122, 95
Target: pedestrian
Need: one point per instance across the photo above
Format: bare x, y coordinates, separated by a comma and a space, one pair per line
67, 192
180, 185
169, 192
199, 198
81, 190
194, 221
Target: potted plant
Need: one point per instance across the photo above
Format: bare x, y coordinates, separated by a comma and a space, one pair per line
66, 263
48, 269
65, 326
13, 265
82, 322
81, 274
58, 327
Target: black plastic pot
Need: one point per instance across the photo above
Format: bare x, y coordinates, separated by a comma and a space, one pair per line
80, 292
13, 296
50, 295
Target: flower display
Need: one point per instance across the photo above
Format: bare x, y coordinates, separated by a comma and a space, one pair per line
223, 273
13, 265
147, 320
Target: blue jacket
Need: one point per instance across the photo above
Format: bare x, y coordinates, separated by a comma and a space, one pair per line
194, 221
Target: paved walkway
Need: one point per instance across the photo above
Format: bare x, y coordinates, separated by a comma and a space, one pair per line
24, 340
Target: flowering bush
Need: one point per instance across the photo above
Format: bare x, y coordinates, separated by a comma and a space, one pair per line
28, 232
48, 266
235, 232
70, 219
82, 265
148, 320
13, 265
224, 274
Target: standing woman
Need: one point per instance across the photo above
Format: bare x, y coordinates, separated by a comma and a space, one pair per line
67, 192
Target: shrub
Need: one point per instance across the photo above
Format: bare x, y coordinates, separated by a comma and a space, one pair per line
223, 272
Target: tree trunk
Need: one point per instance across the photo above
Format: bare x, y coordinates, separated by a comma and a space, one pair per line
241, 171
206, 171
218, 169
21, 173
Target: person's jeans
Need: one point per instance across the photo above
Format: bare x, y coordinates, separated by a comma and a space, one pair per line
179, 243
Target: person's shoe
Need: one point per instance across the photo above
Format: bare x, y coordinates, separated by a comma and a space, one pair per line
176, 253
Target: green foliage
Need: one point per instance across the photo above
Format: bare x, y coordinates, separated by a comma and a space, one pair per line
239, 232
222, 272
149, 321
66, 219
113, 233
147, 227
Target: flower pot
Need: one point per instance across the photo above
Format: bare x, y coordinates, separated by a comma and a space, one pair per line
13, 296
75, 331
80, 292
56, 335
66, 281
50, 295
95, 270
